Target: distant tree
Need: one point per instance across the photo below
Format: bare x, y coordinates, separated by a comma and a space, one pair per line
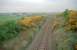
65, 14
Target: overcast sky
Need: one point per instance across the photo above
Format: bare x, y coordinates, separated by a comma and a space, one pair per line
36, 5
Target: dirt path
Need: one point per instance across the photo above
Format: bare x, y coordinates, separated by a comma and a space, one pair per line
44, 40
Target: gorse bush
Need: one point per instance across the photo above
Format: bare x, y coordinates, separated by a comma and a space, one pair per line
30, 21
70, 20
66, 35
8, 31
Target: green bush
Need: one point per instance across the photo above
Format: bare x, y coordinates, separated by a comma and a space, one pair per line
65, 14
8, 31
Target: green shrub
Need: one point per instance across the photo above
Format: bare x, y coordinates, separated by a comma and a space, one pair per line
8, 31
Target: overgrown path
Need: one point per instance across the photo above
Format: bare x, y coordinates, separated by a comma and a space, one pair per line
44, 40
